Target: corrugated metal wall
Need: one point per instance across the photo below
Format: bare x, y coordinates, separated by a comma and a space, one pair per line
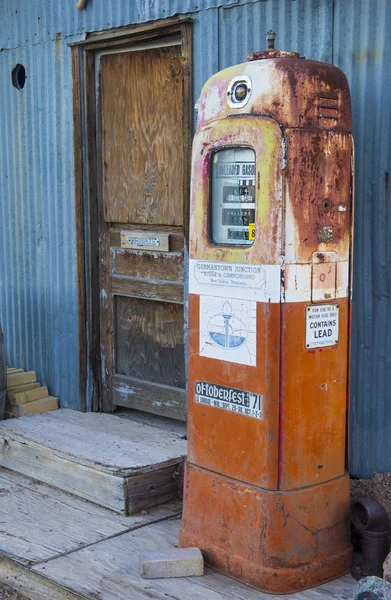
362, 48
38, 293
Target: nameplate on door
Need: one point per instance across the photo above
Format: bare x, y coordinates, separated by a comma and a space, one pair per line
145, 240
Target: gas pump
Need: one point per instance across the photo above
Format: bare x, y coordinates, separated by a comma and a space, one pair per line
266, 491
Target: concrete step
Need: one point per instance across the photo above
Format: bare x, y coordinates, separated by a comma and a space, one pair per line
114, 462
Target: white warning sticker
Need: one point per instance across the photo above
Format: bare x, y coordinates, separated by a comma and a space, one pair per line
322, 326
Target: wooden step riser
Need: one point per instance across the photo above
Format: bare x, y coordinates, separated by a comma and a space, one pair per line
122, 494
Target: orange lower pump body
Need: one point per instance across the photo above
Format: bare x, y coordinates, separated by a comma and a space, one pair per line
266, 499
276, 541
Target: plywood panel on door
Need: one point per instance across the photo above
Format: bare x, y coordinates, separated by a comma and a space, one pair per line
142, 136
143, 193
150, 341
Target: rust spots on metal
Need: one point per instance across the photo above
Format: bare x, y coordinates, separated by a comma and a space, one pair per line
295, 92
318, 180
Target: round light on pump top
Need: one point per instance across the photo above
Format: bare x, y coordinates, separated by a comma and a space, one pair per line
239, 91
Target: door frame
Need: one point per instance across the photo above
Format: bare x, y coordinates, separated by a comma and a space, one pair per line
91, 229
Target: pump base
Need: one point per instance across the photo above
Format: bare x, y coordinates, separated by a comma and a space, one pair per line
275, 541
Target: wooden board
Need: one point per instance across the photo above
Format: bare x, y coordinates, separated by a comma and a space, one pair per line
149, 342
28, 395
163, 400
148, 265
95, 456
41, 405
109, 444
110, 570
151, 290
138, 153
39, 523
21, 378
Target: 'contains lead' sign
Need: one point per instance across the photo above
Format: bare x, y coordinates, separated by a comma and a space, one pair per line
219, 396
322, 326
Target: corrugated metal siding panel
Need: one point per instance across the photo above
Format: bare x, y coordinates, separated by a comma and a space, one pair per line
38, 291
225, 36
302, 25
362, 48
38, 21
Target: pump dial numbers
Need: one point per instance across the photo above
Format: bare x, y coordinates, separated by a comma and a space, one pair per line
233, 196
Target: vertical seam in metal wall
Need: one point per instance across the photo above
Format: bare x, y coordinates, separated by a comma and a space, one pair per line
332, 31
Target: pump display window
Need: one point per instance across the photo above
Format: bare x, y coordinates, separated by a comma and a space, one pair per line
233, 196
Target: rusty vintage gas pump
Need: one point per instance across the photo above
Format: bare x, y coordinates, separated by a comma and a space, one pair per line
266, 492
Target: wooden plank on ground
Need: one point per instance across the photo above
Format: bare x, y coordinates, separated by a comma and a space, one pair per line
110, 570
31, 585
39, 522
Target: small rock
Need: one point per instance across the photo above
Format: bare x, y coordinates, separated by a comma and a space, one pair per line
372, 588
175, 562
387, 568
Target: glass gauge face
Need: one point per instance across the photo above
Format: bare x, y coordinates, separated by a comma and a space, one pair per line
233, 196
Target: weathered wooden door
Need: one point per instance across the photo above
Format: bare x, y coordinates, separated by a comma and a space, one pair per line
142, 133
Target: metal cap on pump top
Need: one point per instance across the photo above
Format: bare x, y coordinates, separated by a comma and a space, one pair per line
271, 52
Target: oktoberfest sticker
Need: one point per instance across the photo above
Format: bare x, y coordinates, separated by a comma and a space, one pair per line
322, 326
227, 398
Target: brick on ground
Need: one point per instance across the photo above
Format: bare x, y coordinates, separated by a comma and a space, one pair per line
174, 562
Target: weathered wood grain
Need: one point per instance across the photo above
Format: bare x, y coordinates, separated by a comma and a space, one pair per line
149, 489
94, 456
148, 265
144, 185
41, 463
150, 341
30, 585
39, 523
163, 400
91, 570
113, 445
136, 287
99, 401
187, 117
79, 213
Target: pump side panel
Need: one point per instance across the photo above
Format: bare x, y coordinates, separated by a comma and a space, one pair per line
226, 441
313, 401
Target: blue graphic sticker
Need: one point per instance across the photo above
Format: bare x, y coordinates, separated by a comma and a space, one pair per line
226, 330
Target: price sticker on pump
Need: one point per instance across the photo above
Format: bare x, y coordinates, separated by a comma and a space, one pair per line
251, 231
322, 326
